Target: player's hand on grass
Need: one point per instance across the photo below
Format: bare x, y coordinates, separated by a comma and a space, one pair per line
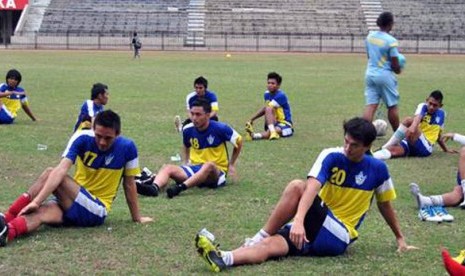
402, 246
145, 219
446, 137
232, 174
297, 234
30, 208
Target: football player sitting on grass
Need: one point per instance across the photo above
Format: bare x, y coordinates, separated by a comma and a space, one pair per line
276, 111
417, 135
205, 156
327, 209
12, 98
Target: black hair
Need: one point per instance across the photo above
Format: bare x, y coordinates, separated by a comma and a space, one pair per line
201, 80
360, 130
204, 103
97, 89
135, 34
275, 76
385, 19
110, 119
13, 74
437, 95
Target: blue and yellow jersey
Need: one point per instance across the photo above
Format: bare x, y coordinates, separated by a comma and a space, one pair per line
13, 102
279, 102
431, 124
210, 145
348, 187
380, 47
88, 111
209, 95
100, 172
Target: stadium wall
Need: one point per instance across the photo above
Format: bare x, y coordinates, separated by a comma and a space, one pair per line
277, 42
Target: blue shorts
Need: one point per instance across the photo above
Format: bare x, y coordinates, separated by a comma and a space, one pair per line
459, 179
191, 170
5, 116
86, 211
327, 235
421, 147
286, 130
383, 87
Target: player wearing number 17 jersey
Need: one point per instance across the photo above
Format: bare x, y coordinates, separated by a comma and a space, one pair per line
102, 159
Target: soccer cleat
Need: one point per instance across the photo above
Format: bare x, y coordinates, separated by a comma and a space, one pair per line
428, 214
3, 230
462, 205
174, 190
442, 213
248, 136
415, 191
145, 175
177, 123
249, 127
460, 258
209, 252
274, 135
149, 189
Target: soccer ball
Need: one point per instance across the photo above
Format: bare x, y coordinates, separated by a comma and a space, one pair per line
380, 126
402, 60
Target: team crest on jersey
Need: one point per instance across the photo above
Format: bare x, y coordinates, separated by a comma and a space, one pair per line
210, 139
108, 159
360, 178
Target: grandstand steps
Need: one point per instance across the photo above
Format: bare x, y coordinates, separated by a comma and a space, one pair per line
371, 10
33, 17
195, 23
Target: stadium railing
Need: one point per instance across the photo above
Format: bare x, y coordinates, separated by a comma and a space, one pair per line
219, 41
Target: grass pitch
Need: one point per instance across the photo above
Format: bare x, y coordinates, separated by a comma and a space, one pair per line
323, 91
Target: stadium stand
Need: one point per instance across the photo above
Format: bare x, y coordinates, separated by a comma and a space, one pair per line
287, 16
118, 17
289, 25
427, 19
114, 17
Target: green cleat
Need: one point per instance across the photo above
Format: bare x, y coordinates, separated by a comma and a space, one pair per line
274, 136
209, 252
249, 127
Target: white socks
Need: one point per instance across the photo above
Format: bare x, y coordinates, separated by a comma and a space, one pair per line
459, 138
271, 128
227, 257
435, 200
382, 154
398, 135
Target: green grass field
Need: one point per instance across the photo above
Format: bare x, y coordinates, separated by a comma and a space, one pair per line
324, 89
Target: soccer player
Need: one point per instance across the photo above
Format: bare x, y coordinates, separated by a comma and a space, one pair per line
327, 208
277, 113
102, 159
205, 153
12, 98
136, 45
383, 62
98, 99
431, 208
201, 92
417, 135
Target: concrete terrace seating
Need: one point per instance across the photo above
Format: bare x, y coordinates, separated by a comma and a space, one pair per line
114, 17
427, 18
286, 16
